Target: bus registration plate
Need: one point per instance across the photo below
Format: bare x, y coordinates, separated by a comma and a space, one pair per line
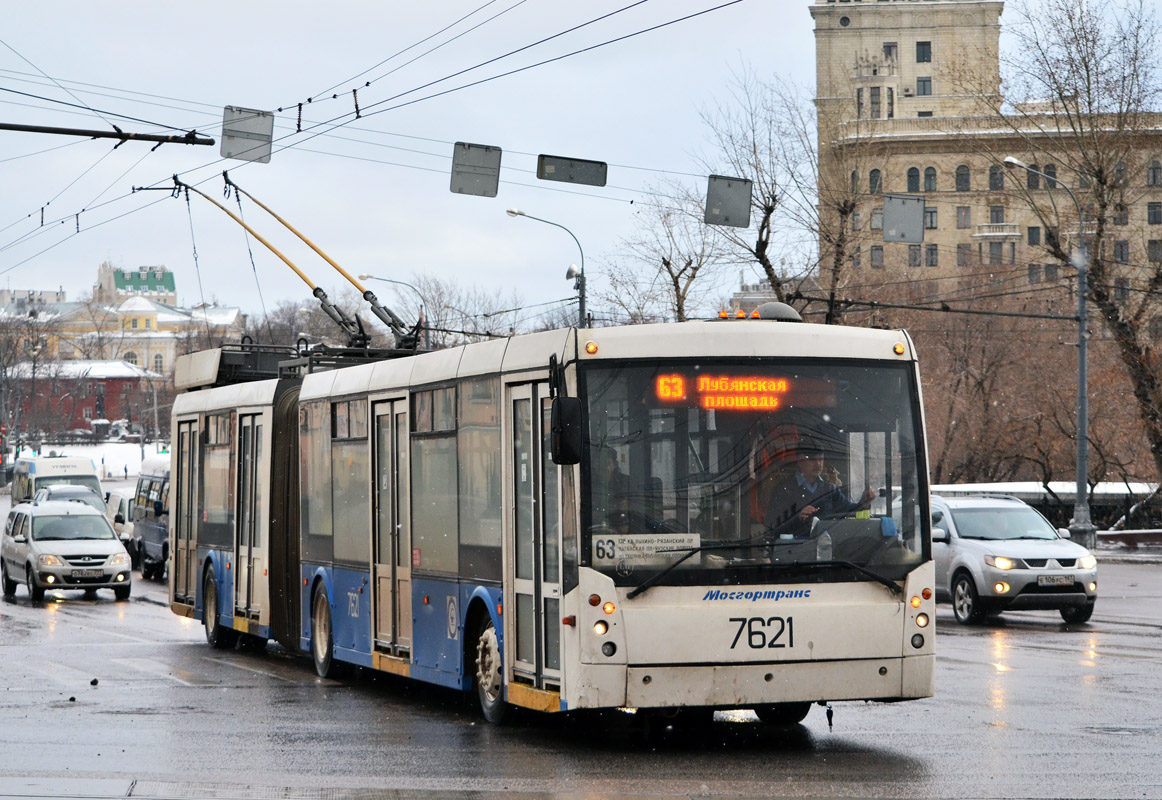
87, 573
1054, 580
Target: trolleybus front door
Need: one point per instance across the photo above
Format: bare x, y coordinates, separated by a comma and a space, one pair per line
249, 553
392, 535
533, 545
185, 542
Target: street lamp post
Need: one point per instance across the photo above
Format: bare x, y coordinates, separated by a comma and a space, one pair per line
573, 272
1082, 527
423, 300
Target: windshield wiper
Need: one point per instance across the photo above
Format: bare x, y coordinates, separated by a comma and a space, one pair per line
689, 551
875, 576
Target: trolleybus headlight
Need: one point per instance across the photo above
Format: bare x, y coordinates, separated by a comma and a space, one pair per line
1087, 562
917, 640
608, 649
922, 620
916, 601
600, 627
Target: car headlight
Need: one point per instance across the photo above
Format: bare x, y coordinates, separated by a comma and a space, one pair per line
1000, 562
119, 560
49, 560
1087, 562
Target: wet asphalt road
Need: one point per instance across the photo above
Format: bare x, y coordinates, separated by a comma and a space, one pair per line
1026, 706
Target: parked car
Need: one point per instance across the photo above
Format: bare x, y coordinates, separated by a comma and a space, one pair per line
119, 511
69, 492
994, 553
62, 545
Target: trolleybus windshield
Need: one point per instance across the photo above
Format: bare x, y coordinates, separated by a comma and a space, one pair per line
761, 467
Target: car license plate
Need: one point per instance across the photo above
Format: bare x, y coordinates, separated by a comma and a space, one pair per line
1054, 580
87, 573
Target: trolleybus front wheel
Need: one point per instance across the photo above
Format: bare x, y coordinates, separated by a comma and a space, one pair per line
218, 637
783, 713
488, 678
321, 635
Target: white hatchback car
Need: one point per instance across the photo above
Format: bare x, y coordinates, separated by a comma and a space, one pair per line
995, 553
62, 545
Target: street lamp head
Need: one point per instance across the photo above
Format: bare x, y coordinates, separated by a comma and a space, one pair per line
514, 212
365, 277
572, 272
1015, 162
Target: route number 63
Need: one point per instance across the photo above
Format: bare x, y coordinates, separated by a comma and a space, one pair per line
764, 632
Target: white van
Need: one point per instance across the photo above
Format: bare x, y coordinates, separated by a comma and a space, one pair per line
34, 472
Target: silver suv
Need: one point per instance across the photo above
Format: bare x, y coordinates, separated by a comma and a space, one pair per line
995, 553
62, 545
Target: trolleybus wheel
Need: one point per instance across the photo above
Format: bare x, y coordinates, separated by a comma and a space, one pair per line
489, 680
217, 636
321, 635
1075, 615
782, 713
9, 584
966, 601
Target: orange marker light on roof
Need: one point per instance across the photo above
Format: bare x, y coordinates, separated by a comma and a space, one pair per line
591, 347
755, 314
723, 315
898, 348
741, 314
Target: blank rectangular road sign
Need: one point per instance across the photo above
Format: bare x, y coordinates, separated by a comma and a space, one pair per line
903, 218
571, 170
728, 201
247, 134
475, 169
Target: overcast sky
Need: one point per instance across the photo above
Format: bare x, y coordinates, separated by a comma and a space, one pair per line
374, 193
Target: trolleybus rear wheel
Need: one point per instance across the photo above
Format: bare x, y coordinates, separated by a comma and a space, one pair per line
783, 713
489, 679
217, 636
321, 635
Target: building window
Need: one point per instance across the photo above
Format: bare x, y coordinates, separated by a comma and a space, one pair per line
914, 255
930, 217
931, 255
930, 179
855, 258
854, 221
1154, 174
877, 256
1050, 171
1154, 213
963, 255
1032, 179
148, 323
963, 217
1034, 273
913, 179
877, 219
875, 183
1154, 251
1121, 215
874, 93
923, 52
996, 252
859, 103
1122, 251
1121, 290
1051, 273
159, 364
1120, 174
963, 176
1156, 328
996, 178
923, 113
891, 103
924, 87
996, 215
1083, 179
854, 182
133, 323
131, 357
1034, 236
890, 51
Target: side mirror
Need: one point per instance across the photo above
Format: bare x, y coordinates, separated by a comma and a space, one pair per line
1064, 533
119, 519
566, 431
20, 538
941, 535
157, 508
937, 516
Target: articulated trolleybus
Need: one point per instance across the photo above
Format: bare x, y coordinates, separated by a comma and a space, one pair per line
573, 519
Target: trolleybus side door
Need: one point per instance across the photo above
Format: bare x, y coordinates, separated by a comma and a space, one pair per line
532, 544
185, 542
249, 552
392, 529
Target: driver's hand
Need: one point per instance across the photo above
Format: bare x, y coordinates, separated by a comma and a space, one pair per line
808, 512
